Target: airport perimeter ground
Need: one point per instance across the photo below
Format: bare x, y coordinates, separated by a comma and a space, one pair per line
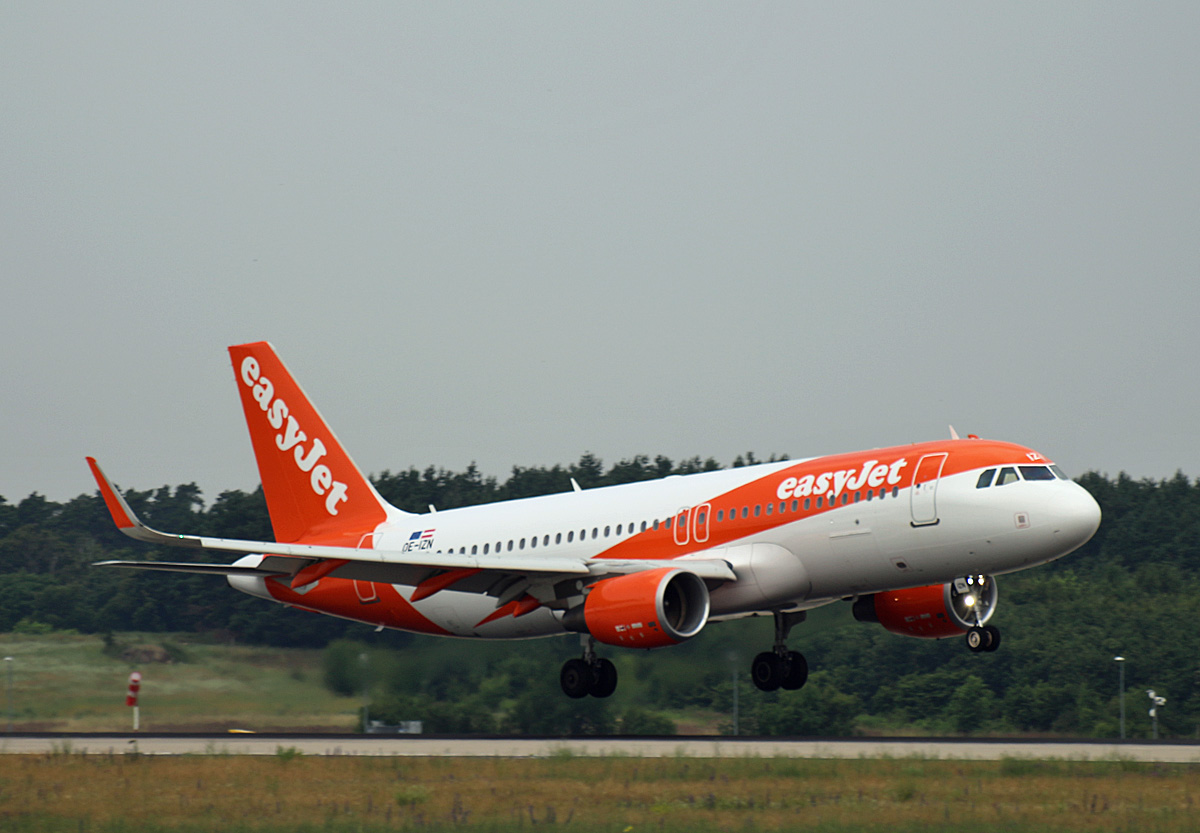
641, 747
274, 783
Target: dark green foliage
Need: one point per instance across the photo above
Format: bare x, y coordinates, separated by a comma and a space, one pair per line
345, 667
637, 721
817, 709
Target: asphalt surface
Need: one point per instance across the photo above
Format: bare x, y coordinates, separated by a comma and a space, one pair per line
524, 747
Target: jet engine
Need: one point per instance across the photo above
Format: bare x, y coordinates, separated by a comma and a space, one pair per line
650, 609
932, 612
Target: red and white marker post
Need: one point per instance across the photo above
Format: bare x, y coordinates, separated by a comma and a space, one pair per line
135, 683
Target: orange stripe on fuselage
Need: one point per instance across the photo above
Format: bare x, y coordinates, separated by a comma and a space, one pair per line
962, 456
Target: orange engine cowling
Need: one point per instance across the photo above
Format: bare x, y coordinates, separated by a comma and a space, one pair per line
643, 610
932, 612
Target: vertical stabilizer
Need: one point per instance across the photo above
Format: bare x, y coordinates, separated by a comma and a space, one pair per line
314, 491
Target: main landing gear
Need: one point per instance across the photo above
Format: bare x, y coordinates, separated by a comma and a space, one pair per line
779, 667
592, 675
985, 638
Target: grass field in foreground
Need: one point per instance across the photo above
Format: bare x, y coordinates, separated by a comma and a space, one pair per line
293, 792
67, 683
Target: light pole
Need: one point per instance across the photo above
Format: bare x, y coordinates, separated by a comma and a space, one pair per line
1121, 664
8, 663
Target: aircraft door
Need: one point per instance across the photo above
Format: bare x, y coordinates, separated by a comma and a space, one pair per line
680, 525
700, 523
923, 499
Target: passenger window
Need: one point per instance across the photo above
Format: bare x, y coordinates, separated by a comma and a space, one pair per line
807, 504
895, 491
533, 542
770, 508
857, 497
618, 530
570, 536
845, 498
558, 537
522, 544
820, 501
474, 549
1007, 475
1036, 473
607, 530
668, 523
720, 515
643, 526
796, 505
757, 509
546, 541
595, 532
510, 543
745, 511
985, 479
703, 515
485, 548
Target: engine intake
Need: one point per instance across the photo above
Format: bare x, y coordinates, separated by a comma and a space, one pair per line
932, 612
643, 610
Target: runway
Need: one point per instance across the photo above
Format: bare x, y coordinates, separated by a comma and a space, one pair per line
524, 747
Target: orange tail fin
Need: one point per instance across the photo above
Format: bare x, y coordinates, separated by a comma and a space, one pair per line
314, 491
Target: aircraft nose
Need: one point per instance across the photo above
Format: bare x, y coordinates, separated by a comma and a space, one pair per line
1078, 517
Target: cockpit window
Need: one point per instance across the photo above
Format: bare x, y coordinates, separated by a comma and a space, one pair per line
1008, 474
1059, 473
985, 479
1037, 473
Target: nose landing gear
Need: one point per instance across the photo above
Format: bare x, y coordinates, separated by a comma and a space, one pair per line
592, 675
779, 667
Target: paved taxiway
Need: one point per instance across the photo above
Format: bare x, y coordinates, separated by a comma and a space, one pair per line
696, 747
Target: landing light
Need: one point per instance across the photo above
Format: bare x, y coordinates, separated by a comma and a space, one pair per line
969, 601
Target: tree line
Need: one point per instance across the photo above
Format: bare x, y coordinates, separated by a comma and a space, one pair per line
1132, 590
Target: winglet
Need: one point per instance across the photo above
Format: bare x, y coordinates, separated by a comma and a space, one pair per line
122, 515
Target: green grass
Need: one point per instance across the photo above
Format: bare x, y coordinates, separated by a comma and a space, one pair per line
108, 794
67, 682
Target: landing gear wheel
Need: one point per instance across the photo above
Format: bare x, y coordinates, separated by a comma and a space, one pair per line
795, 674
978, 640
993, 634
604, 678
767, 671
576, 678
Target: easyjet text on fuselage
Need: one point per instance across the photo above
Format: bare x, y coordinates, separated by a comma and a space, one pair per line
872, 474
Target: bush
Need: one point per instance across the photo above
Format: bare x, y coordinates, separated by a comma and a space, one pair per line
344, 671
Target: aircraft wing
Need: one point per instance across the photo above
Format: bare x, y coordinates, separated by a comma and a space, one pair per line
308, 562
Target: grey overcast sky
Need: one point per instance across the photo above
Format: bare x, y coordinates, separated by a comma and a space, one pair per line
512, 233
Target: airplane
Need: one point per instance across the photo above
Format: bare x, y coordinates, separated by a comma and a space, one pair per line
912, 536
